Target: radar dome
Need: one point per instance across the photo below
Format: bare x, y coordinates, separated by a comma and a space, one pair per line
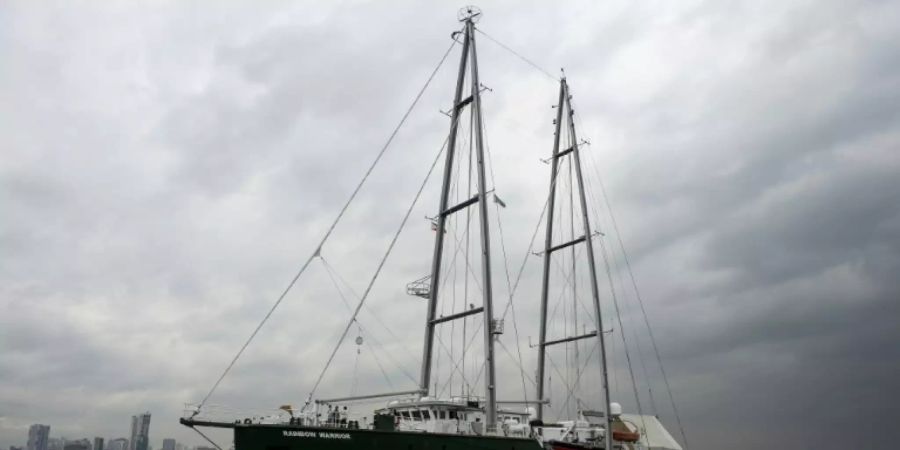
615, 409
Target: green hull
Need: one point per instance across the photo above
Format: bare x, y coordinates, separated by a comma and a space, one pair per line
287, 437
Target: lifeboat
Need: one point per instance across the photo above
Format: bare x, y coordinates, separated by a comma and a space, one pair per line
626, 436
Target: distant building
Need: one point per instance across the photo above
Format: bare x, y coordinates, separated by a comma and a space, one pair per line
56, 443
168, 444
117, 444
140, 432
38, 437
13, 447
98, 443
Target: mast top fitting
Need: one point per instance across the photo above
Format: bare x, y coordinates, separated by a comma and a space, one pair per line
469, 13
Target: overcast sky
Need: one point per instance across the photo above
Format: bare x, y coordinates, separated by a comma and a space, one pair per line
166, 167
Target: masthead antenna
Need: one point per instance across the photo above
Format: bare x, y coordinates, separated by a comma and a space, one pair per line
469, 13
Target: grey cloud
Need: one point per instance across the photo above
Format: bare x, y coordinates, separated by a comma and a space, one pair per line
166, 167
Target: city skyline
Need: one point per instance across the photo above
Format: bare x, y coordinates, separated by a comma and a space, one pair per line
91, 443
39, 437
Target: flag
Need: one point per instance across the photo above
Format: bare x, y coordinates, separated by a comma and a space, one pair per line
499, 202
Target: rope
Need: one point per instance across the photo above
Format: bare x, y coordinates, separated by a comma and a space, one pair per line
456, 365
521, 368
569, 388
580, 373
612, 290
640, 302
365, 295
505, 263
331, 274
572, 132
330, 229
643, 312
617, 270
206, 437
528, 252
526, 60
343, 281
381, 367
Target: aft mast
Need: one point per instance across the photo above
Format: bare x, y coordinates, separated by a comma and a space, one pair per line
564, 107
469, 58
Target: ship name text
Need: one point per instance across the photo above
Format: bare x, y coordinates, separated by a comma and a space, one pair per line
316, 434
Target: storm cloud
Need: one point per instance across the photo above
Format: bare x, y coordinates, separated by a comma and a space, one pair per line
165, 168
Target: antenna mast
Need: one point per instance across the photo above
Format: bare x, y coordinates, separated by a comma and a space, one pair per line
468, 16
549, 248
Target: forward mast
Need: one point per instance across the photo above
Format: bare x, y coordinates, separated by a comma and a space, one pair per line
468, 60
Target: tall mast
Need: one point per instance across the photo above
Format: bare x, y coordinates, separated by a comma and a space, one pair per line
548, 244
425, 378
490, 394
574, 154
595, 292
468, 59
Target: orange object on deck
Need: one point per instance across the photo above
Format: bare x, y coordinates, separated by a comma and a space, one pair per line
626, 436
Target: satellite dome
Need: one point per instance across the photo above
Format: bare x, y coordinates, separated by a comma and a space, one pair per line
615, 409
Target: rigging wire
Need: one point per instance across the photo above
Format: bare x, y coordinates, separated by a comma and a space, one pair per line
615, 299
565, 382
640, 302
466, 346
616, 269
521, 368
580, 373
505, 261
349, 288
643, 311
528, 253
654, 408
464, 382
331, 274
377, 272
453, 370
206, 437
571, 122
526, 60
454, 224
381, 367
574, 280
565, 287
330, 228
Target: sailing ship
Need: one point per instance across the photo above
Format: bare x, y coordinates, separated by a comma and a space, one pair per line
420, 419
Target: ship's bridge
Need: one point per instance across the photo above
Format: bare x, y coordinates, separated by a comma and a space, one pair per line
456, 416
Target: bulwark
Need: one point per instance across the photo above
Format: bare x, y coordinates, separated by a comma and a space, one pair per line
275, 437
